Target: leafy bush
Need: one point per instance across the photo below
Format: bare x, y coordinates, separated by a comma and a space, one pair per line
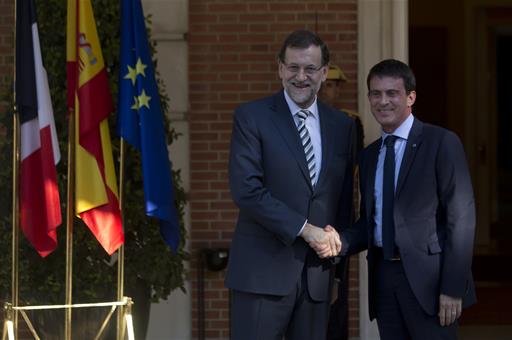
147, 257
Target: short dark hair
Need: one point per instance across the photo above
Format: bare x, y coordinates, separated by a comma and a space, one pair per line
302, 39
395, 69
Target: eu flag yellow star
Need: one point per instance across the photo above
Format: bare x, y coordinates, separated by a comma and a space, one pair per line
135, 105
143, 99
132, 74
140, 67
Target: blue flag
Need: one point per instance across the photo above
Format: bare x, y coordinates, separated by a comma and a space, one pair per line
140, 120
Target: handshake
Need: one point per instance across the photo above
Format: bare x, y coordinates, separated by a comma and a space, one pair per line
325, 242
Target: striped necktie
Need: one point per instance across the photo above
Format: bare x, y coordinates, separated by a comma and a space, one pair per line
306, 143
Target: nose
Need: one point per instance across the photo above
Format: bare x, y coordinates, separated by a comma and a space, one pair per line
301, 75
383, 100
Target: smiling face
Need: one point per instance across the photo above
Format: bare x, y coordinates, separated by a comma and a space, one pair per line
302, 74
389, 102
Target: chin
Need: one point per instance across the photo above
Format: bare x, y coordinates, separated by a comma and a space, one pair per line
300, 100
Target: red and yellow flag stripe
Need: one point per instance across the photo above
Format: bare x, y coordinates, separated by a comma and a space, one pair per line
96, 195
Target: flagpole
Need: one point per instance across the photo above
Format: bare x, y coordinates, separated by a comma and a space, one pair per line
70, 214
120, 252
15, 191
15, 218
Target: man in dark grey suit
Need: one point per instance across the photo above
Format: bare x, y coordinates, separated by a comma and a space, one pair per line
417, 216
291, 175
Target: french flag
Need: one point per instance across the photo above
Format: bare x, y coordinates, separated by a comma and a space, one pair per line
40, 212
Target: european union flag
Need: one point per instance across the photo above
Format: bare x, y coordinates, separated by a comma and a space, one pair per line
140, 120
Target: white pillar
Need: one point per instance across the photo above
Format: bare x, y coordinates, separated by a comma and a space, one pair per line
383, 33
171, 319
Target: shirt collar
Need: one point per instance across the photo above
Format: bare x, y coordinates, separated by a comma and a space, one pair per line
294, 108
402, 131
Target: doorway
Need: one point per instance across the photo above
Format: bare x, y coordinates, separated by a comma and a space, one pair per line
493, 165
465, 71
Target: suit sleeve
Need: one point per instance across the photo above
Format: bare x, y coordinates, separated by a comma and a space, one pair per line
346, 204
246, 179
456, 199
355, 238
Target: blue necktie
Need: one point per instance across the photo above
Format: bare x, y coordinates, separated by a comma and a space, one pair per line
388, 198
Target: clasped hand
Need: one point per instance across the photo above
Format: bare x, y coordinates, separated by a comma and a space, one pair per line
324, 241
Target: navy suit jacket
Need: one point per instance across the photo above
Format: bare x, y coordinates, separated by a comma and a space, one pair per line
434, 214
270, 184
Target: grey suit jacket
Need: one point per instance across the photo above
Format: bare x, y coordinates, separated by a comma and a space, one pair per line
434, 213
270, 185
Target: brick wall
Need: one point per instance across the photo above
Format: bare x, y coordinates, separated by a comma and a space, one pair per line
232, 59
6, 44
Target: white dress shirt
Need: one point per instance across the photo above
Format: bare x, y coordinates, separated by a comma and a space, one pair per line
402, 132
313, 126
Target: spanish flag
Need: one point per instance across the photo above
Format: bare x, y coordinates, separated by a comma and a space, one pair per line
96, 194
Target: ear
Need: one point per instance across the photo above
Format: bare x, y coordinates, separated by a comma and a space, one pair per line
324, 71
411, 98
280, 70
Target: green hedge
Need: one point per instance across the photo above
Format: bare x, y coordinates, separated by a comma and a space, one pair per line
147, 258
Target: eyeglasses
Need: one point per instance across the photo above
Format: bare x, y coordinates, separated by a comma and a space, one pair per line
308, 70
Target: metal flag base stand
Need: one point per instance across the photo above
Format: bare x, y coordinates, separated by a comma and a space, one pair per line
125, 305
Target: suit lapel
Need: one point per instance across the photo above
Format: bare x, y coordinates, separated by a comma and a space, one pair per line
286, 127
328, 135
413, 144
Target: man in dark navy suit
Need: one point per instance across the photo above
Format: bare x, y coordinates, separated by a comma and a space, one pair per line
291, 175
417, 216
